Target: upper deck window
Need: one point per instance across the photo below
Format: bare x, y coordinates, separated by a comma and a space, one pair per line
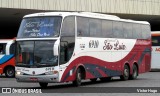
40, 27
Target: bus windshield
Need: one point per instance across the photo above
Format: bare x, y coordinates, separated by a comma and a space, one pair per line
40, 27
36, 53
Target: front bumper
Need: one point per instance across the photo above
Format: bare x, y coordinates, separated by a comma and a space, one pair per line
37, 78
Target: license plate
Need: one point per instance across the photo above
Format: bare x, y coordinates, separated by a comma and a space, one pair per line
33, 79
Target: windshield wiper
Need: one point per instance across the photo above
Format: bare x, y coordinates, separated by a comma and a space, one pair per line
22, 65
43, 65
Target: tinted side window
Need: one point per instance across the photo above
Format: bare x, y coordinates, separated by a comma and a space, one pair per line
67, 39
117, 29
3, 48
137, 31
107, 28
82, 26
146, 33
95, 27
68, 27
127, 29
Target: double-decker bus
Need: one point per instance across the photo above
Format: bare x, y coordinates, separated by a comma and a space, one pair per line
155, 65
7, 57
72, 46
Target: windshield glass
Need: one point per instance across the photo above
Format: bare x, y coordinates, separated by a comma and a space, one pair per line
36, 53
40, 27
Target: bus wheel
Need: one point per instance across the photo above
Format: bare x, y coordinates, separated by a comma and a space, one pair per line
77, 81
10, 72
125, 75
43, 85
103, 79
93, 80
134, 73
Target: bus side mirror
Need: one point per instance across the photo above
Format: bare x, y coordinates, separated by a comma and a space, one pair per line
56, 48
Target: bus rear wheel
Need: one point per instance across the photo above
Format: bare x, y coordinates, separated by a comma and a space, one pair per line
134, 73
43, 85
125, 75
77, 81
10, 72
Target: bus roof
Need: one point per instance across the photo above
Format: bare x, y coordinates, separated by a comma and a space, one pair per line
155, 33
85, 14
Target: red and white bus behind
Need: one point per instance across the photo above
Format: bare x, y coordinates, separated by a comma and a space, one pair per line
7, 57
155, 64
71, 46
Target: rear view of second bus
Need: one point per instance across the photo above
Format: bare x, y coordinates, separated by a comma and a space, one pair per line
155, 64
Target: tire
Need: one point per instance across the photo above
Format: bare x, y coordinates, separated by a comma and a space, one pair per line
43, 85
10, 72
126, 72
77, 81
93, 80
105, 79
134, 73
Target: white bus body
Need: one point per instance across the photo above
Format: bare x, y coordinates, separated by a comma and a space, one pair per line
81, 45
155, 64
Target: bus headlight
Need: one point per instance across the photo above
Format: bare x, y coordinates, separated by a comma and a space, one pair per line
19, 73
52, 73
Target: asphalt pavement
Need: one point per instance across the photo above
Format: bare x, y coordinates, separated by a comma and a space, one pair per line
146, 84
